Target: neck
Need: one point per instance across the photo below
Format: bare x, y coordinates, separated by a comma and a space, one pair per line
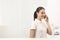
39, 18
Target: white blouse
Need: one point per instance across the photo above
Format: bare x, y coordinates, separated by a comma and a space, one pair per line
41, 28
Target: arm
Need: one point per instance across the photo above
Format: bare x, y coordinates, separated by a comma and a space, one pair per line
49, 29
32, 33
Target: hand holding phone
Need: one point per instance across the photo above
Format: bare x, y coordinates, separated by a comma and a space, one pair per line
46, 18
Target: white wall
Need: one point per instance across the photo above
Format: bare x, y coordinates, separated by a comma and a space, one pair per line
9, 18
53, 11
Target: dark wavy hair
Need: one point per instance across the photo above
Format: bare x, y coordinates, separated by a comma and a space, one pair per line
37, 10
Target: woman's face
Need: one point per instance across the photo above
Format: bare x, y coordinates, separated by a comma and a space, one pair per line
41, 14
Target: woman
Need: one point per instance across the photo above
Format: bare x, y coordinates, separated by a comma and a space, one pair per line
38, 28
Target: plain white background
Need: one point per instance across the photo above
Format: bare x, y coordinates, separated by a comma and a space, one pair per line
16, 16
10, 15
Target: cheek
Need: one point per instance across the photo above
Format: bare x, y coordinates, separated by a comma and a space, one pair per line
41, 15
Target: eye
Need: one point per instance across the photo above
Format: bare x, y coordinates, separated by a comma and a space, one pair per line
42, 12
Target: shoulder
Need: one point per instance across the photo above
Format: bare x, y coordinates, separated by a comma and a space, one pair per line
34, 22
33, 25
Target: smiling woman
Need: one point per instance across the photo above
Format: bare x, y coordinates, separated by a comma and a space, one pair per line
27, 10
38, 28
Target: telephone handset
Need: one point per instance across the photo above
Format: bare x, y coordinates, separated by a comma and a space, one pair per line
46, 17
